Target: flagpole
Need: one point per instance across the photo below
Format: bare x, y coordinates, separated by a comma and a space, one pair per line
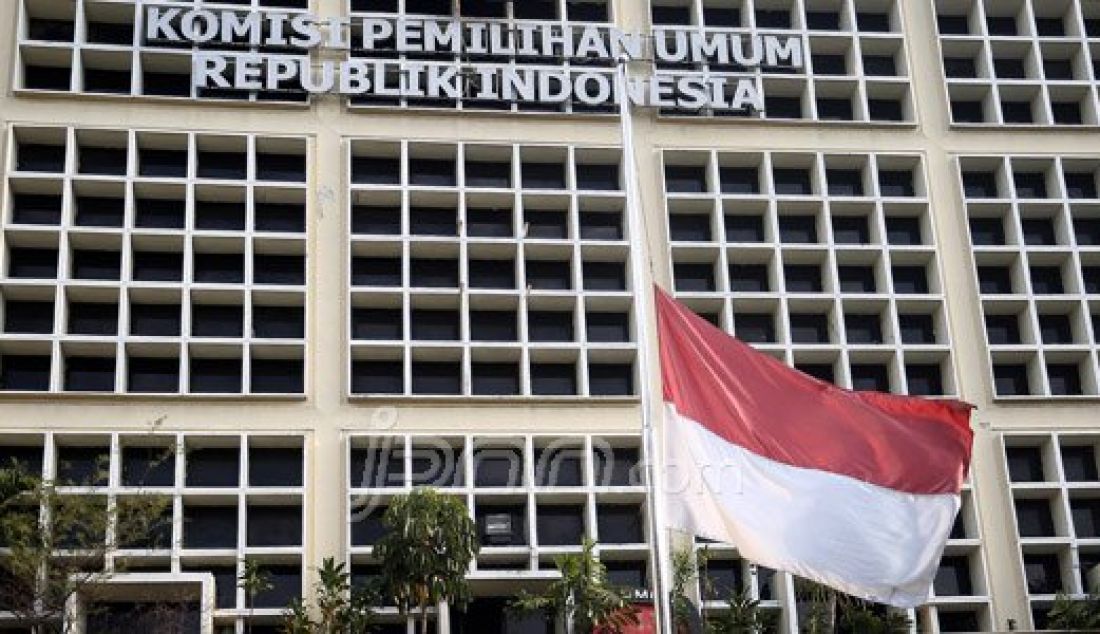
643, 294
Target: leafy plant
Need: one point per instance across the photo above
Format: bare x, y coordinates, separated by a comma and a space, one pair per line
426, 551
342, 608
57, 542
583, 598
1075, 614
254, 580
744, 616
824, 611
685, 570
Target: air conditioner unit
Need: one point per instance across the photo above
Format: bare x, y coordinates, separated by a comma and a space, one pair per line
498, 529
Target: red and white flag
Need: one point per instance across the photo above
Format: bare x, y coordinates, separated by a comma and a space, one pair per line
855, 490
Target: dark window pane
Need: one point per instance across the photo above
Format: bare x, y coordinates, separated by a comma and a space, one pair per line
608, 379
82, 466
744, 228
1065, 379
223, 165
220, 268
489, 223
215, 376
925, 379
274, 526
550, 326
980, 184
377, 377
28, 317
155, 213
904, 231
162, 163
608, 327
953, 577
277, 376
553, 379
863, 329
279, 269
1056, 329
685, 178
1011, 379
97, 211
35, 209
212, 466
601, 225
89, 374
286, 586
1086, 518
870, 378
987, 231
755, 328
694, 277
433, 273
278, 322
857, 279
1079, 464
376, 323
792, 182
560, 525
1025, 464
604, 276
436, 378
102, 160
96, 265
281, 167
495, 379
93, 319
739, 180
155, 320
547, 225
598, 176
917, 329
31, 157
803, 278
806, 328
376, 271
911, 280
157, 266
148, 466
844, 182
1080, 185
1017, 112
32, 263
220, 216
960, 67
1034, 518
217, 321
495, 274
798, 229
620, 524
543, 175
1043, 574
210, 527
1047, 280
435, 325
24, 373
433, 221
851, 230
152, 375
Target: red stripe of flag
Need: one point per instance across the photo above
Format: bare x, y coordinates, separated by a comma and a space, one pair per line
907, 444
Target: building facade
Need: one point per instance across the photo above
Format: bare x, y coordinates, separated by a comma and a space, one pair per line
312, 300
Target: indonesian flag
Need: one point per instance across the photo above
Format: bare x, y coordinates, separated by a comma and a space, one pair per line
854, 490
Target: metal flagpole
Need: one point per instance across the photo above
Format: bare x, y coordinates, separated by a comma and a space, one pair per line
643, 294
